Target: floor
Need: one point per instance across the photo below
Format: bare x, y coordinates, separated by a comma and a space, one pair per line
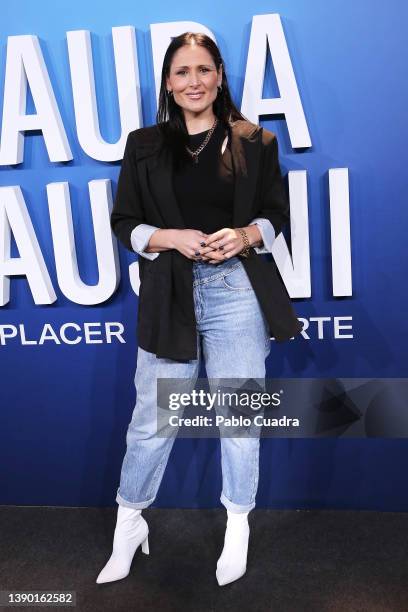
298, 560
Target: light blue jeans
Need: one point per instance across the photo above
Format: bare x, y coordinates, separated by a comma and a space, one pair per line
235, 344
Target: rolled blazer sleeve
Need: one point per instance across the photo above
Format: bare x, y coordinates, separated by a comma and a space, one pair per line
267, 234
127, 211
274, 204
140, 239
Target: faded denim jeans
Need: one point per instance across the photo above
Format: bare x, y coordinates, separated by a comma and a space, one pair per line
235, 343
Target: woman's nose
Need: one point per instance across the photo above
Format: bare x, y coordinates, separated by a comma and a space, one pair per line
194, 80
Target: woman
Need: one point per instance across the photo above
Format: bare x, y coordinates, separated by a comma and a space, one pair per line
200, 197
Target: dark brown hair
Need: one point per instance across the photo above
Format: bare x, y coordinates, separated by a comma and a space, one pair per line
170, 117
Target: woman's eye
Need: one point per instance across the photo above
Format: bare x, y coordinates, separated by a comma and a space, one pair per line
183, 71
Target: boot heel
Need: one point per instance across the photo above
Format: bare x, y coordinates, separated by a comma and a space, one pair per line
145, 546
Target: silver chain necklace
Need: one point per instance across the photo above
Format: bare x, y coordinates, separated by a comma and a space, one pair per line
195, 154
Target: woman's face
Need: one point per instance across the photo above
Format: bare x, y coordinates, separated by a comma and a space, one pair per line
193, 79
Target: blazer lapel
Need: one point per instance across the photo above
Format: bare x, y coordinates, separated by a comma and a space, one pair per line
161, 183
245, 153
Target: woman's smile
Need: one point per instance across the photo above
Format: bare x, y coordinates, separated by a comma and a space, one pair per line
195, 96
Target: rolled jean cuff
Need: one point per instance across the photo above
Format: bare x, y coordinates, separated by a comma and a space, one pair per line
238, 508
137, 505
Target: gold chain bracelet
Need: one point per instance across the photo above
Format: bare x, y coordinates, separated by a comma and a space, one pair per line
245, 251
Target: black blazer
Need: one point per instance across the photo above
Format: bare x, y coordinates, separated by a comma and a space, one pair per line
166, 322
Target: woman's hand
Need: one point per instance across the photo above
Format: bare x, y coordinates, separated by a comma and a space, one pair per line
188, 242
228, 242
218, 246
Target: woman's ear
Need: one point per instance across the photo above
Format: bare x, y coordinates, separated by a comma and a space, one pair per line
220, 74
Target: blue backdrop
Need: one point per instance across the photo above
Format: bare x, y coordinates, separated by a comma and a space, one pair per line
64, 409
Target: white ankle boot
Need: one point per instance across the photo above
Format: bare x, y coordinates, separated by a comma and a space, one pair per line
232, 563
131, 531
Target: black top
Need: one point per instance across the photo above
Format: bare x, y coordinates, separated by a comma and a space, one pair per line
205, 190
